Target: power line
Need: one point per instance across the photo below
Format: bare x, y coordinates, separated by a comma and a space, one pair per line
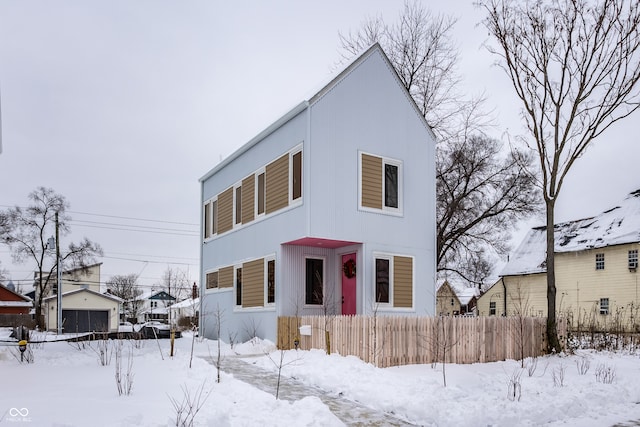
120, 217
185, 233
136, 219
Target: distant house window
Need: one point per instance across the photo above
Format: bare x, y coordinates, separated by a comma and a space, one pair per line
154, 304
633, 259
604, 306
380, 183
452, 302
212, 280
296, 176
260, 192
314, 281
271, 281
599, 261
238, 287
492, 308
383, 271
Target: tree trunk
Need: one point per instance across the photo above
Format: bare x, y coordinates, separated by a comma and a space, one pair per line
553, 344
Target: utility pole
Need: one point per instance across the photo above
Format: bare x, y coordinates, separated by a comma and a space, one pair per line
59, 277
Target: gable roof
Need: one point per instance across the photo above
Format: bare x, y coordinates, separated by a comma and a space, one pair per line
75, 291
15, 296
463, 293
315, 97
616, 226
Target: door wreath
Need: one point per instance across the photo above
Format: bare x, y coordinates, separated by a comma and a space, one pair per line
349, 268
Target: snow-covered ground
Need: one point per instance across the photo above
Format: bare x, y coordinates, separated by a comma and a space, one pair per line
67, 386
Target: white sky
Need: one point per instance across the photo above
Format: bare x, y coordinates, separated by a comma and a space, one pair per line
122, 106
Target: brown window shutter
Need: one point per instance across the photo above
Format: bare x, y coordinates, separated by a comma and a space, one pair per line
402, 281
225, 210
225, 277
371, 182
277, 184
253, 283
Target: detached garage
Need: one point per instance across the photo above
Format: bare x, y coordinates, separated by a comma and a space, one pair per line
84, 310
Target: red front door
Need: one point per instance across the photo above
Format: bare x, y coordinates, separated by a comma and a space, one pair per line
349, 284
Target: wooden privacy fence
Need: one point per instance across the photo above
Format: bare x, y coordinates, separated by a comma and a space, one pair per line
392, 341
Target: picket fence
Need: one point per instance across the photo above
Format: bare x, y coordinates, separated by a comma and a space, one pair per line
403, 340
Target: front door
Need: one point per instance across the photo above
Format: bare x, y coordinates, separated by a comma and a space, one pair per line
349, 284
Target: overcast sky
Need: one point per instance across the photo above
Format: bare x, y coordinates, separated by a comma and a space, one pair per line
121, 106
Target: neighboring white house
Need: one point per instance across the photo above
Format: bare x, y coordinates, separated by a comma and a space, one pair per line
153, 305
186, 308
83, 310
330, 209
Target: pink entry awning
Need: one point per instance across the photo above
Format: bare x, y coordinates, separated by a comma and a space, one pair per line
322, 243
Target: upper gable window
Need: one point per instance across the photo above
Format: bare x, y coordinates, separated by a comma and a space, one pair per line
599, 261
380, 184
633, 259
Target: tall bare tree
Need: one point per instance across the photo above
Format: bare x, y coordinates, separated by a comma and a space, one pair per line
574, 65
481, 188
126, 287
26, 232
176, 283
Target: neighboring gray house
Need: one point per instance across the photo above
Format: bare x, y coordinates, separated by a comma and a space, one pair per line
330, 209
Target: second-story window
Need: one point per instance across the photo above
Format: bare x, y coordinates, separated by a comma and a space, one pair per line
380, 184
238, 205
296, 175
599, 261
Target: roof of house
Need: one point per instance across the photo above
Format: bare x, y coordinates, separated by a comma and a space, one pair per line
314, 97
188, 303
17, 295
75, 291
616, 226
463, 292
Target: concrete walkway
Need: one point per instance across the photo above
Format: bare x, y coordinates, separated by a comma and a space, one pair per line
350, 412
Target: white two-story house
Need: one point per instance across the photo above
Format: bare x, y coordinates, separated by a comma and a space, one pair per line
331, 209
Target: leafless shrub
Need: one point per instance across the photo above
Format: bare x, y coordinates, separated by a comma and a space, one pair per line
251, 328
558, 375
124, 381
605, 374
531, 365
187, 408
514, 386
279, 364
583, 364
233, 336
103, 350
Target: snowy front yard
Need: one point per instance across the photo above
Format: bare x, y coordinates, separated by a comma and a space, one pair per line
67, 385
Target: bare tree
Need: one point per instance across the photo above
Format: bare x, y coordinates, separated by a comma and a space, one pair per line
575, 66
26, 231
176, 283
481, 192
126, 287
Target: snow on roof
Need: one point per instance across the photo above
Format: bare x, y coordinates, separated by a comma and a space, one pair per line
615, 226
463, 291
188, 303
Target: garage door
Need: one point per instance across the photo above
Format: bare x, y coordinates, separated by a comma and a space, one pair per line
85, 320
